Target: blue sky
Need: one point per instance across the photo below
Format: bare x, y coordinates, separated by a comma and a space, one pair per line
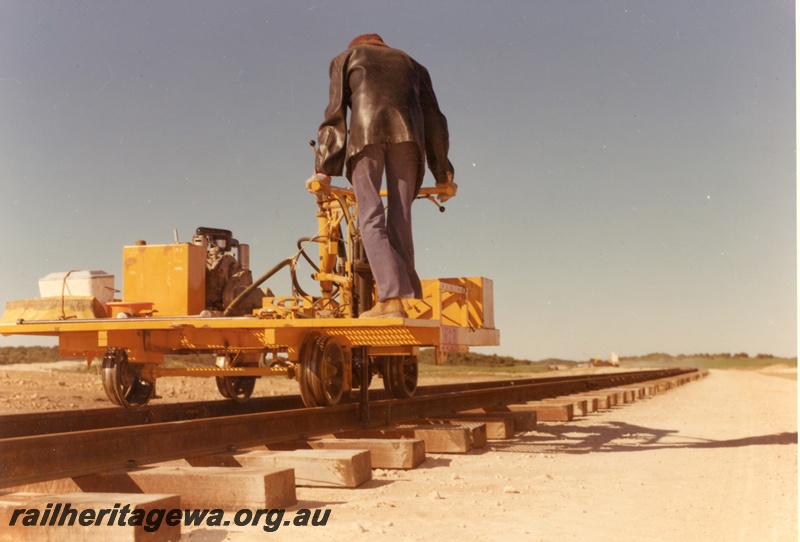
627, 169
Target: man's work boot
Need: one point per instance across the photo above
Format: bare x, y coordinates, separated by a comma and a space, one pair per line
391, 308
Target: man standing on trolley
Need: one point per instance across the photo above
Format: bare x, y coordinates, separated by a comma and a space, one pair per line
395, 125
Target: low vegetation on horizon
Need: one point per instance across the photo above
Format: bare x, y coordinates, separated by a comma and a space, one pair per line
45, 354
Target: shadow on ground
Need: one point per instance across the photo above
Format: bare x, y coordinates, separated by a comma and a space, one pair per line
622, 437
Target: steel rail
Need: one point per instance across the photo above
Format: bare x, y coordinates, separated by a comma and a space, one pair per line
25, 460
41, 423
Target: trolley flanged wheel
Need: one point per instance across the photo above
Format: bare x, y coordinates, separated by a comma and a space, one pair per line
400, 374
122, 381
321, 371
359, 365
236, 388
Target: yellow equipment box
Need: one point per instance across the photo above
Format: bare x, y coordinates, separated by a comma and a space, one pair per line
171, 277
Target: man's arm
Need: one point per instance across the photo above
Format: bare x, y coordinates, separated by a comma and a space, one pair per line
333, 130
437, 136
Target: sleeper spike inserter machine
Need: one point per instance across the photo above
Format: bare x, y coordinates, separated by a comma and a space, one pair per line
199, 297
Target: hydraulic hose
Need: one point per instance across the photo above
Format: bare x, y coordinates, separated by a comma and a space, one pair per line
296, 284
301, 248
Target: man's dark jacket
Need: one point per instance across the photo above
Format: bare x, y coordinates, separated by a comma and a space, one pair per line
391, 101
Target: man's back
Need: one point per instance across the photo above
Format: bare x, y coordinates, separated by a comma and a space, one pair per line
391, 101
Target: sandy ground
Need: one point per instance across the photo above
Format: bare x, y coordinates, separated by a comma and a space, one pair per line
36, 387
713, 460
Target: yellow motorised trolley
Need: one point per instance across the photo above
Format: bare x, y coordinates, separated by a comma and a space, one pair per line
200, 297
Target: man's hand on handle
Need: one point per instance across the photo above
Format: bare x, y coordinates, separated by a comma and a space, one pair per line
318, 183
451, 189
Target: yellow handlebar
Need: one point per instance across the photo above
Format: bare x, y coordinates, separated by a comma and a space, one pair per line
445, 189
322, 188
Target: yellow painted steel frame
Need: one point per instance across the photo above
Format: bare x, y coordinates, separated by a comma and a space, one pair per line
447, 319
336, 205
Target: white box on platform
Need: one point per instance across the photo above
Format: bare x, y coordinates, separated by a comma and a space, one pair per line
98, 284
